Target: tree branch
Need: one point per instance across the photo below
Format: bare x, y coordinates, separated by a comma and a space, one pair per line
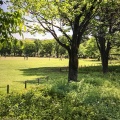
53, 34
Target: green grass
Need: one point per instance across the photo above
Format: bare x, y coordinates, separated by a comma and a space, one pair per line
94, 97
15, 70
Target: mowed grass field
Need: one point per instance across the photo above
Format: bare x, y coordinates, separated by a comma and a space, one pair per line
14, 71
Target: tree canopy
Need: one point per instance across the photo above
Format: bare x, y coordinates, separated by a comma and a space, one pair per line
10, 22
105, 28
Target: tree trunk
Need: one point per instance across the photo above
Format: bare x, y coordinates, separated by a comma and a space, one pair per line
104, 47
73, 64
104, 58
104, 51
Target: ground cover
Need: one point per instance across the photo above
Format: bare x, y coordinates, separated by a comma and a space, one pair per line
94, 97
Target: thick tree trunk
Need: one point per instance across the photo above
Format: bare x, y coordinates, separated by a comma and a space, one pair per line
73, 64
104, 58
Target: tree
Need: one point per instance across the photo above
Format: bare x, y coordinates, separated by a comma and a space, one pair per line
106, 28
10, 22
56, 49
29, 48
17, 47
20, 47
52, 15
59, 50
14, 46
37, 46
47, 47
89, 48
5, 47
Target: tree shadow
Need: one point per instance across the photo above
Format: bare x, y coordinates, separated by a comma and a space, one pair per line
88, 69
44, 74
55, 72
2, 87
41, 71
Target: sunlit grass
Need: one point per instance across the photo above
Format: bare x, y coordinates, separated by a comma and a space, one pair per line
14, 71
94, 97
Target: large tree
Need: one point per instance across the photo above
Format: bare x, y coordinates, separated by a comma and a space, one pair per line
64, 15
106, 27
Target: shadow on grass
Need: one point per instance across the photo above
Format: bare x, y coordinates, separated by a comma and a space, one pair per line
84, 98
3, 87
40, 71
94, 73
88, 69
58, 71
43, 72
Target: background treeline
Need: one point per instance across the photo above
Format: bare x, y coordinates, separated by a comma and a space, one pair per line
31, 48
49, 48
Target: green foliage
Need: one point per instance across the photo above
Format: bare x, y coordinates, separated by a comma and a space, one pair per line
105, 29
29, 48
59, 50
63, 101
37, 46
63, 16
89, 49
5, 46
47, 47
11, 22
94, 97
17, 47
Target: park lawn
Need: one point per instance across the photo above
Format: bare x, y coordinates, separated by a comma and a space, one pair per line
94, 97
14, 71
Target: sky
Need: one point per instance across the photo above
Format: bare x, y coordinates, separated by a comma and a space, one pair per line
36, 36
28, 35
